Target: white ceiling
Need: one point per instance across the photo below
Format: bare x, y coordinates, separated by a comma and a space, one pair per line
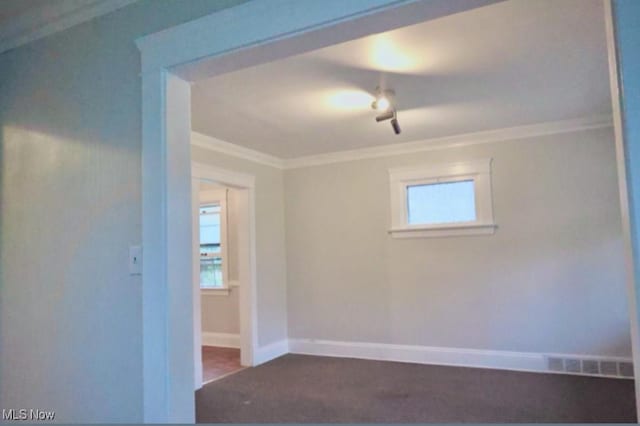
509, 64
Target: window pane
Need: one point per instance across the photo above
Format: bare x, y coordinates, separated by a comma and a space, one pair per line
211, 272
210, 259
209, 249
448, 202
210, 224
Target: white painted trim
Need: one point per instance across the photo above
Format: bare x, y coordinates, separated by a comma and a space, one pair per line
488, 136
210, 173
246, 34
444, 231
248, 278
438, 170
223, 291
53, 17
478, 171
218, 145
477, 358
271, 351
195, 277
223, 340
616, 104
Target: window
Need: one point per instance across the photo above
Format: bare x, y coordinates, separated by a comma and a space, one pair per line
213, 242
210, 247
448, 202
442, 200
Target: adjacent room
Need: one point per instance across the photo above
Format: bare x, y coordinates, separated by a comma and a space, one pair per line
435, 227
218, 281
302, 211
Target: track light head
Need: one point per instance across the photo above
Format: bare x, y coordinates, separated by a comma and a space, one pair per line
387, 115
385, 104
395, 125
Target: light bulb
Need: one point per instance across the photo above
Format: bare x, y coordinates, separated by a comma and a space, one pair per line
383, 104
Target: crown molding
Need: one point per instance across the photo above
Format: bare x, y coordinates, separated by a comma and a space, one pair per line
214, 144
475, 138
488, 136
53, 17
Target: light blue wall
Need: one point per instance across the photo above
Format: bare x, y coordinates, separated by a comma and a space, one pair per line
627, 27
70, 205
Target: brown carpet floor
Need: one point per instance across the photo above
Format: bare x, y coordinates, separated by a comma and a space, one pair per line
311, 389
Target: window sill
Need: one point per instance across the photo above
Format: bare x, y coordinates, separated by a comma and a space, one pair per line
214, 291
443, 231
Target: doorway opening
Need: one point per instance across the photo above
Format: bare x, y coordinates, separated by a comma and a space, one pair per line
222, 272
166, 110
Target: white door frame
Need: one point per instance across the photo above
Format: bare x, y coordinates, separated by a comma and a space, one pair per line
616, 104
246, 261
249, 34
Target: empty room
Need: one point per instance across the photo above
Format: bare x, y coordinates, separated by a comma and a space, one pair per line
438, 235
294, 211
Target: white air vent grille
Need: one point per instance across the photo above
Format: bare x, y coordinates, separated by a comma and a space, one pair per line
608, 368
625, 369
590, 366
555, 364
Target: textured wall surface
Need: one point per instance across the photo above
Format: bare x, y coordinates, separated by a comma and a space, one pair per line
551, 279
70, 205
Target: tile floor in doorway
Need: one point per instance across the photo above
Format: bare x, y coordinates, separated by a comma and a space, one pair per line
218, 362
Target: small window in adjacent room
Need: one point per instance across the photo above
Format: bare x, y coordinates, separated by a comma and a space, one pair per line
211, 244
433, 203
442, 200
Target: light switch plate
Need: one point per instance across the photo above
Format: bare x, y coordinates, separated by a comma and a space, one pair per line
135, 260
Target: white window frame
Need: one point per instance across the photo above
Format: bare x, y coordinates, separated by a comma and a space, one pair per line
479, 171
217, 197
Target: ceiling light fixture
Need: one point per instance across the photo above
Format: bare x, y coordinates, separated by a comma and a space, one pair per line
382, 104
385, 104
384, 100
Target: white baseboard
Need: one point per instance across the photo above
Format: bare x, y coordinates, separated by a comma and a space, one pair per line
505, 360
224, 340
271, 351
477, 358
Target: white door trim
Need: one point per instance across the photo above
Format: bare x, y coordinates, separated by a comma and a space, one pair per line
197, 302
246, 262
615, 85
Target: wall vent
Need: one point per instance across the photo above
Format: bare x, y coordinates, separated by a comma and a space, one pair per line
590, 366
608, 368
572, 365
626, 369
555, 364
